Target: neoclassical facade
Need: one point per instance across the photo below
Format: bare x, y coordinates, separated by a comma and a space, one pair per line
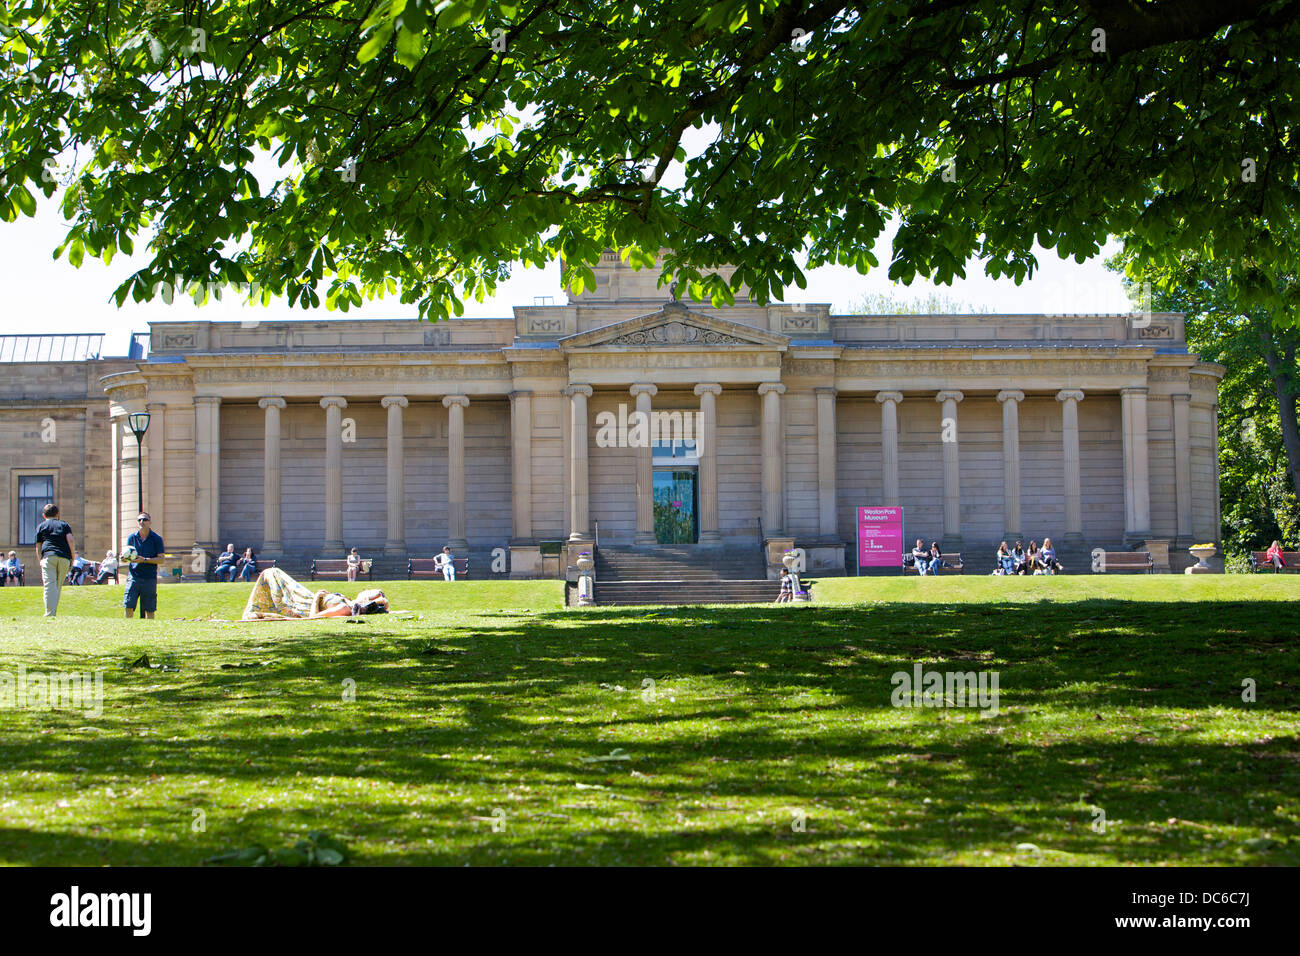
493, 435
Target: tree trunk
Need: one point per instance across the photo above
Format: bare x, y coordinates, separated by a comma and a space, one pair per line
1281, 371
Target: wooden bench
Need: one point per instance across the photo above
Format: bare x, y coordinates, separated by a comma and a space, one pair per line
952, 563
211, 573
1259, 562
336, 569
427, 568
1123, 561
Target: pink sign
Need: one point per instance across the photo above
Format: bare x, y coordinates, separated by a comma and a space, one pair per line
880, 537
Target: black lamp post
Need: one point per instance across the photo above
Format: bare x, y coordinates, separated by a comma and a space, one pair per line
139, 424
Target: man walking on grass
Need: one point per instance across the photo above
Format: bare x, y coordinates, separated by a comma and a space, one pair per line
142, 586
56, 548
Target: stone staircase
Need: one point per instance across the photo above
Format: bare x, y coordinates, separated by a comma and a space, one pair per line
681, 574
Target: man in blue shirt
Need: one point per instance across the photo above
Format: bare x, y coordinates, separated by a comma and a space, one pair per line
142, 586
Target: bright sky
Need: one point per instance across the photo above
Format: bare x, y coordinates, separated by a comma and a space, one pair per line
47, 295
42, 294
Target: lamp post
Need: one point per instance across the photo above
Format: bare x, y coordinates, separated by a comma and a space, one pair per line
139, 424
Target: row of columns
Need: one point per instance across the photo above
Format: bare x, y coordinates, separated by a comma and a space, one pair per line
1137, 519
1137, 506
207, 465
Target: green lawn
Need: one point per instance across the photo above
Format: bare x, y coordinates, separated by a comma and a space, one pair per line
496, 727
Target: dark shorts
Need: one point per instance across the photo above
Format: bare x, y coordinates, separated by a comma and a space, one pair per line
146, 592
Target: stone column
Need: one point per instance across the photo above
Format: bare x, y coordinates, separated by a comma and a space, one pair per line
1070, 399
1137, 481
889, 445
154, 442
521, 467
395, 541
951, 468
272, 543
115, 429
456, 405
207, 469
645, 493
706, 445
579, 529
1182, 470
773, 458
1011, 399
333, 405
827, 497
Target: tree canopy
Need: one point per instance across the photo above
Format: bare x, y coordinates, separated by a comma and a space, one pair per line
423, 146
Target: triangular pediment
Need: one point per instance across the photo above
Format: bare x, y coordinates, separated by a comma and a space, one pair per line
675, 326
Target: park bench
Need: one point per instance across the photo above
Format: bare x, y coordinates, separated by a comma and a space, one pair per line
210, 574
952, 563
1259, 561
427, 568
337, 569
1122, 561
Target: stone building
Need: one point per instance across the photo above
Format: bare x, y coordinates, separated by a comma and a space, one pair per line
499, 435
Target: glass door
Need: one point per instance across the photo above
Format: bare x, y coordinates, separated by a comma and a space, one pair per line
675, 514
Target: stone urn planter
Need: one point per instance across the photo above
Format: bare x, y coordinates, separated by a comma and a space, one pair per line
1202, 553
586, 595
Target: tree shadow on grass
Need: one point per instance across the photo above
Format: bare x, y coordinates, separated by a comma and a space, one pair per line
774, 704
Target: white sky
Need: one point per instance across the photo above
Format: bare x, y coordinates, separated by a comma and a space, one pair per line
42, 294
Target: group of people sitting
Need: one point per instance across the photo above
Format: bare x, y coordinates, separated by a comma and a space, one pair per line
11, 570
1031, 560
81, 571
229, 565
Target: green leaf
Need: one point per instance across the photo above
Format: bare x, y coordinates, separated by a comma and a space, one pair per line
457, 14
378, 40
26, 201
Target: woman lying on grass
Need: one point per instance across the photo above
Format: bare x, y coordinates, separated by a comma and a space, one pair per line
278, 597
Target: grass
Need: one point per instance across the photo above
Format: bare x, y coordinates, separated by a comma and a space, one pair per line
498, 727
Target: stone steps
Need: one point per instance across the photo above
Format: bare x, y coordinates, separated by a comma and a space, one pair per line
674, 575
621, 593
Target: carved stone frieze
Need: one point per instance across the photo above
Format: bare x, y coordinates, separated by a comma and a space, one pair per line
676, 333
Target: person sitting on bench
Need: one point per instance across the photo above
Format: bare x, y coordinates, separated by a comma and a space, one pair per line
1274, 557
1006, 563
920, 557
247, 565
936, 557
225, 570
1018, 559
278, 597
1047, 558
446, 564
11, 570
107, 567
80, 568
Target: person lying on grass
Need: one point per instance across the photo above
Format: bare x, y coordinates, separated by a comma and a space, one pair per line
278, 597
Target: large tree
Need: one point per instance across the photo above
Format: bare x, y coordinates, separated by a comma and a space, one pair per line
1259, 430
426, 145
